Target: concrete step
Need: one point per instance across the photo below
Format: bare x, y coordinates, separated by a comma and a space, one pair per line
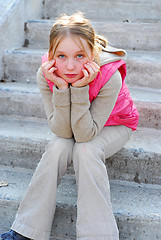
127, 35
107, 10
137, 207
143, 68
18, 99
23, 140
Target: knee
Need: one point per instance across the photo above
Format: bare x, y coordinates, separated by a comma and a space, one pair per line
57, 151
59, 145
87, 153
84, 151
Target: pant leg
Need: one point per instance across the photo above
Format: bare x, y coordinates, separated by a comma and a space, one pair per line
35, 214
95, 219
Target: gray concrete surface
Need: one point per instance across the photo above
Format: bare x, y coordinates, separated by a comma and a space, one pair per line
134, 171
143, 68
128, 35
132, 10
17, 99
13, 14
23, 141
133, 205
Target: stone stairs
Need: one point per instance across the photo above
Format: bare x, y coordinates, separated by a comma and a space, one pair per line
135, 171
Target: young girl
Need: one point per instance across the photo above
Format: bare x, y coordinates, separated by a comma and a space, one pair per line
91, 113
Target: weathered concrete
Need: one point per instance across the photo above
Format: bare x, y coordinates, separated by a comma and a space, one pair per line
13, 14
10, 23
33, 9
135, 36
143, 68
136, 206
132, 10
23, 141
28, 61
18, 99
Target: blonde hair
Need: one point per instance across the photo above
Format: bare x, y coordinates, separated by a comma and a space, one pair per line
79, 27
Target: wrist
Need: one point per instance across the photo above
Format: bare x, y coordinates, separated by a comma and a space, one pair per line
62, 87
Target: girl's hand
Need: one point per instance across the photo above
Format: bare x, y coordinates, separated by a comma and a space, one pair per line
49, 71
90, 72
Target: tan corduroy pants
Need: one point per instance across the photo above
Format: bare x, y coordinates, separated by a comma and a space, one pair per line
95, 219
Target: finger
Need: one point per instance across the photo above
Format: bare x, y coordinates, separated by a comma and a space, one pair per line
52, 69
89, 68
47, 65
85, 72
94, 66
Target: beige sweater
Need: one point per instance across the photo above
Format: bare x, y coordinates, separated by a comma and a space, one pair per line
70, 113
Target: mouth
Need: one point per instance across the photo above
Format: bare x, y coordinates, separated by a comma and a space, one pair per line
70, 75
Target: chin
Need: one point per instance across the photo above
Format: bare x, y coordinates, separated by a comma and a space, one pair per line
70, 80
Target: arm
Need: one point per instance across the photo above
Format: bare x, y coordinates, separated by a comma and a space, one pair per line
87, 118
57, 107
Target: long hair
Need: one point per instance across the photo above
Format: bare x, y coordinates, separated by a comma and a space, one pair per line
79, 27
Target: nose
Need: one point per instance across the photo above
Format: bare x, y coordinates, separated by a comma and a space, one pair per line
70, 65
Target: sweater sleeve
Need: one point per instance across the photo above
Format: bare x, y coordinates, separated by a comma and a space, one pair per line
57, 107
87, 118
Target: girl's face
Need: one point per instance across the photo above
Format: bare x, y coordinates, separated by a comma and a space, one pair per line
70, 59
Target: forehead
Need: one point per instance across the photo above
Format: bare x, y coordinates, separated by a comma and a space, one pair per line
73, 43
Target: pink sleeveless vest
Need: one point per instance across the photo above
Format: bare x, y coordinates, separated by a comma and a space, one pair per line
124, 111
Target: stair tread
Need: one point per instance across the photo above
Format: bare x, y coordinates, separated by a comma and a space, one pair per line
137, 206
95, 21
150, 55
138, 93
146, 139
140, 66
24, 128
115, 32
129, 199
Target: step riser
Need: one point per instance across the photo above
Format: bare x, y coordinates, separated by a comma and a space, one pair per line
65, 220
22, 143
149, 114
139, 71
107, 10
21, 104
63, 224
21, 66
122, 35
128, 164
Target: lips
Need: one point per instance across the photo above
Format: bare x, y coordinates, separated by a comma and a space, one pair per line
70, 75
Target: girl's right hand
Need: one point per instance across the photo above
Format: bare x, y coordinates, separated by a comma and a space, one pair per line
49, 71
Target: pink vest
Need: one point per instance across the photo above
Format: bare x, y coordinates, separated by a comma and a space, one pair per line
124, 111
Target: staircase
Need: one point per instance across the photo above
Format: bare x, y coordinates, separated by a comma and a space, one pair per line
135, 171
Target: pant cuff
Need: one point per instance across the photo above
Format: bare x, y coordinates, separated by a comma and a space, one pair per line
29, 232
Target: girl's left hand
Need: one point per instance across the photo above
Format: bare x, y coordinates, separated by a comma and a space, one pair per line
90, 72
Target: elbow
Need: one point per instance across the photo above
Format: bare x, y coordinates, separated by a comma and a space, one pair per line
62, 134
60, 131
82, 138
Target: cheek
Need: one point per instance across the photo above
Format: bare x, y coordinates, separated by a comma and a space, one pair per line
81, 66
59, 67
57, 64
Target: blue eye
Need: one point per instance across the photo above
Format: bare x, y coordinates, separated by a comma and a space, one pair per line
61, 56
80, 56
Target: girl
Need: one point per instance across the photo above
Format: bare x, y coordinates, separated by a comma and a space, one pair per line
91, 113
